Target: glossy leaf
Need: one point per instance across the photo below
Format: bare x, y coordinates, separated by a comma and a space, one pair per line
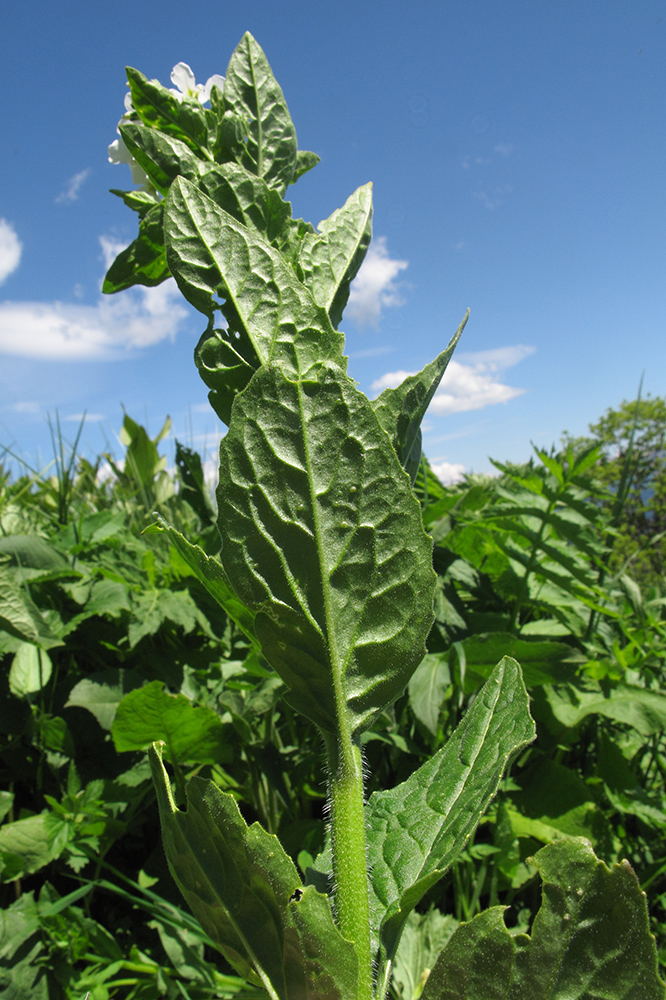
639, 707
248, 897
331, 258
160, 109
190, 732
313, 514
161, 156
253, 93
208, 250
400, 411
590, 939
416, 830
144, 261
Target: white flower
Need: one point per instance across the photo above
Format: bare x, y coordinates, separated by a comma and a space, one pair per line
184, 79
119, 153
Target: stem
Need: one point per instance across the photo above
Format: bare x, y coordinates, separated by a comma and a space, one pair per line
350, 864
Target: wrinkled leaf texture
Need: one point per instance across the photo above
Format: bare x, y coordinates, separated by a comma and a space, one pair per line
590, 940
322, 538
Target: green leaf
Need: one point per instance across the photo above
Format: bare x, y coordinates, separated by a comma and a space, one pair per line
208, 250
248, 897
416, 830
323, 540
139, 201
331, 258
638, 707
162, 157
190, 732
590, 939
427, 687
223, 368
542, 661
144, 261
253, 93
305, 160
30, 671
19, 616
248, 199
400, 411
101, 693
193, 487
423, 938
211, 574
29, 844
153, 607
160, 109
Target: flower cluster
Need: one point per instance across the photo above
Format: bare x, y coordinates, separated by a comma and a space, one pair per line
188, 90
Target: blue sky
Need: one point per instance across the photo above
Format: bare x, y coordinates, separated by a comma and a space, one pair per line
518, 154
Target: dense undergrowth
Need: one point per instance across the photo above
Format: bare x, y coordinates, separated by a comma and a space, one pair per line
108, 641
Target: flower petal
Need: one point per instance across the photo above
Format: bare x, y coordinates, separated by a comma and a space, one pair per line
213, 81
183, 77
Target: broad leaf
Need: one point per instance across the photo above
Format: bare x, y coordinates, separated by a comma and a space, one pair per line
590, 939
209, 251
30, 671
416, 830
19, 616
639, 707
248, 897
190, 732
427, 687
101, 693
331, 258
160, 109
253, 93
314, 514
400, 411
248, 199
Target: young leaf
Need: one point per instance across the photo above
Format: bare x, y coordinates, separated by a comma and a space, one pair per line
252, 92
590, 939
161, 156
400, 411
144, 261
305, 160
223, 368
416, 830
160, 109
209, 251
331, 258
248, 897
322, 539
248, 199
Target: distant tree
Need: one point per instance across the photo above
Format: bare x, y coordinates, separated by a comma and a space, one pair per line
632, 466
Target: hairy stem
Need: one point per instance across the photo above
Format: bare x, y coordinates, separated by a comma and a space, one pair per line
350, 865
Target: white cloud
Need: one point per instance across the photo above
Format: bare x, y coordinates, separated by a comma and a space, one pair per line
10, 249
469, 384
71, 190
89, 418
448, 472
56, 331
375, 287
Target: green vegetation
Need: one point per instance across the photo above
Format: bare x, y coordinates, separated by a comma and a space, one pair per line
298, 666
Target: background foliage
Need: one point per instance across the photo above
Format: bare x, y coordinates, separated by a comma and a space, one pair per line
108, 640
